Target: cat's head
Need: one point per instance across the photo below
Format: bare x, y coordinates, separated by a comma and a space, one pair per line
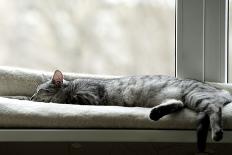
52, 90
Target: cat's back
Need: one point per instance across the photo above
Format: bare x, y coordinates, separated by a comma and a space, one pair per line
149, 90
144, 91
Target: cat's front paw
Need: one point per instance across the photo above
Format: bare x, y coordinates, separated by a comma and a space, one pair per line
155, 114
217, 135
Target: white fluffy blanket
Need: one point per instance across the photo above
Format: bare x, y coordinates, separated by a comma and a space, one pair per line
27, 114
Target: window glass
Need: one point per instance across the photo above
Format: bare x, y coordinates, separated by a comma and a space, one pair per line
230, 43
119, 37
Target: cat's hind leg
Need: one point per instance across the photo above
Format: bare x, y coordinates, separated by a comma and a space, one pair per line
165, 108
202, 131
215, 116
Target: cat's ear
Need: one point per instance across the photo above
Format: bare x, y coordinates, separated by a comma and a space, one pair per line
57, 78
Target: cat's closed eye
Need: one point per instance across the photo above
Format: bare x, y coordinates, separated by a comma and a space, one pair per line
45, 91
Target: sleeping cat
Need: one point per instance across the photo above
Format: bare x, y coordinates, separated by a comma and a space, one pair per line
165, 94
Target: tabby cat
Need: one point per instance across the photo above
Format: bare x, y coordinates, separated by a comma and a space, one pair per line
165, 94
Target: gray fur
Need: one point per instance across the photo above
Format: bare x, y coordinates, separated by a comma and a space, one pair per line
142, 91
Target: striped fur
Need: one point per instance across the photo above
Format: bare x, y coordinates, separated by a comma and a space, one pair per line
165, 94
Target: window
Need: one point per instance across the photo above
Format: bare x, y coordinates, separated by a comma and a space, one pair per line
230, 42
202, 40
90, 36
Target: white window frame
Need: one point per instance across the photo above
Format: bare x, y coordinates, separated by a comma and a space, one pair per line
201, 39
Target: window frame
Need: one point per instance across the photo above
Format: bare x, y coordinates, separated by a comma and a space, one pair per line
201, 39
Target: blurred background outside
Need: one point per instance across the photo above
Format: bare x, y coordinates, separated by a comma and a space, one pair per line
119, 37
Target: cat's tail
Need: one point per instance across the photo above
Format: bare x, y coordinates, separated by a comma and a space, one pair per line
202, 130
